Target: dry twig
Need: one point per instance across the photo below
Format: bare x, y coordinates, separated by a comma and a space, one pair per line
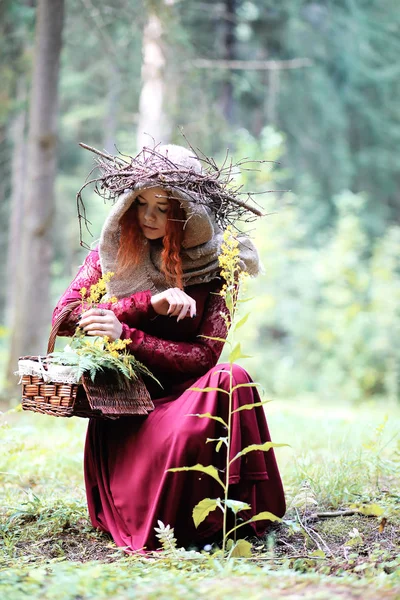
314, 535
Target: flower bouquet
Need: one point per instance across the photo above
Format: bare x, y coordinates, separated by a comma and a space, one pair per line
91, 376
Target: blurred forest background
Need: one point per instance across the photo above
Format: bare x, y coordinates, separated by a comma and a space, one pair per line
312, 85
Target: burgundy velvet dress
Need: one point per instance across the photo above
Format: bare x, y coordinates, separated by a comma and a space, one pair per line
128, 485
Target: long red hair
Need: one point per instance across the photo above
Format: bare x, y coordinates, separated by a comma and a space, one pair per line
132, 243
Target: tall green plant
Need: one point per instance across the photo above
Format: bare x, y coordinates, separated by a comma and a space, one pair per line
234, 276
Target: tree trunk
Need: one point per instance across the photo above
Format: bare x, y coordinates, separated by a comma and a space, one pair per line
228, 50
271, 96
112, 104
32, 302
152, 121
17, 130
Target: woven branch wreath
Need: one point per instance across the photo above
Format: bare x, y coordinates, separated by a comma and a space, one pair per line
213, 186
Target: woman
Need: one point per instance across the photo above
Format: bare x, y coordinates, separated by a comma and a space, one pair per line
162, 244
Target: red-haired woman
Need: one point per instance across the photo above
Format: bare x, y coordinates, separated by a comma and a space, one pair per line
163, 246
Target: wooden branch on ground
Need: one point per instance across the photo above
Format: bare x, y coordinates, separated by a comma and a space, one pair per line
336, 513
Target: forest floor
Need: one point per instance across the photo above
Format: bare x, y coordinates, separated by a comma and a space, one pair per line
340, 458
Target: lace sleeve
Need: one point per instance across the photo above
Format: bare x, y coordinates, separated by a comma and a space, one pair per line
191, 358
129, 309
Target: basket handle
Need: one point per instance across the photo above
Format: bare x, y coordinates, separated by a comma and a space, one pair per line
61, 317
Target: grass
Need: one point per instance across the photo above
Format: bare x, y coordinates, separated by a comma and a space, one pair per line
339, 457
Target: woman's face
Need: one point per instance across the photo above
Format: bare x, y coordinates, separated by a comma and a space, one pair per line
152, 212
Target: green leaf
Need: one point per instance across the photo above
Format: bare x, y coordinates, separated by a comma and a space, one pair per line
209, 470
242, 549
318, 554
250, 406
241, 385
220, 440
219, 445
229, 544
215, 339
209, 416
243, 300
208, 389
369, 510
236, 505
354, 541
253, 447
236, 354
262, 516
242, 321
203, 509
229, 302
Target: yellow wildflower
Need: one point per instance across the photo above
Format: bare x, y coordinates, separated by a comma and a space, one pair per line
231, 271
95, 293
107, 276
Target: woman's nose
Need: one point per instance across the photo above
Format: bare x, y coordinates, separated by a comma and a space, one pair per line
150, 214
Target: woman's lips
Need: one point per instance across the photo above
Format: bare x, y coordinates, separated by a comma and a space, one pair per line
152, 228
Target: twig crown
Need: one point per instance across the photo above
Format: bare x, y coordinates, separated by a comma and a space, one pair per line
210, 185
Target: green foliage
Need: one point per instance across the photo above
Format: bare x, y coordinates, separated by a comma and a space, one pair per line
327, 314
165, 534
48, 551
94, 357
338, 130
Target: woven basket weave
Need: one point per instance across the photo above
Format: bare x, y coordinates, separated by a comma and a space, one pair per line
109, 396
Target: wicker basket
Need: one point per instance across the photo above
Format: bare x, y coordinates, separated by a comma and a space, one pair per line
109, 396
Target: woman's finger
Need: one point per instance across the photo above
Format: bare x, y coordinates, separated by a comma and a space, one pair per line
98, 332
95, 317
185, 310
175, 303
100, 312
192, 307
101, 322
182, 305
95, 326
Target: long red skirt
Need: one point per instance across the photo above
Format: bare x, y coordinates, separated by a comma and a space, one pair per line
129, 487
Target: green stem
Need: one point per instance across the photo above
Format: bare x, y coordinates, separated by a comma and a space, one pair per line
228, 452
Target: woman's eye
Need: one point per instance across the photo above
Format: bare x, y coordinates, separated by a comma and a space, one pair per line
140, 203
163, 210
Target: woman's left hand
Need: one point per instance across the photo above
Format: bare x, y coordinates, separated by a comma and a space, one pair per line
99, 321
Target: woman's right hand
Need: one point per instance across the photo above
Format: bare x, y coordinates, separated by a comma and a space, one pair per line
174, 303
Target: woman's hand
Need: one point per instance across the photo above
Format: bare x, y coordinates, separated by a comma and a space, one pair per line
98, 321
174, 303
